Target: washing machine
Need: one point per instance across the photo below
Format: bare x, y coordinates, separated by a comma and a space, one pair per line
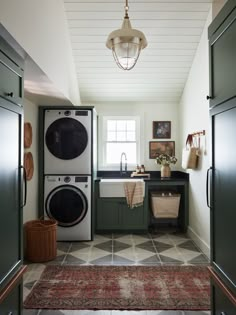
67, 141
67, 199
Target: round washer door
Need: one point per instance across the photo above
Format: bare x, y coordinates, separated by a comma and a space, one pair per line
66, 138
66, 204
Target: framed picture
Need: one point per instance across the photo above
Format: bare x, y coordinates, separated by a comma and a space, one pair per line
161, 129
160, 147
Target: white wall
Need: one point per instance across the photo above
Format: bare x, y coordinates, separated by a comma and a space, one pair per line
194, 116
30, 211
147, 113
40, 29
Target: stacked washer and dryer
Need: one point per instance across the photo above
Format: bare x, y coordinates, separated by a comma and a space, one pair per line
68, 170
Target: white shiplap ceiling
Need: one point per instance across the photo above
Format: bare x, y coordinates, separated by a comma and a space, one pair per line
173, 29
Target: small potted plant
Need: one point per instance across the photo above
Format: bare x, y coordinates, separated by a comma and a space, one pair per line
165, 160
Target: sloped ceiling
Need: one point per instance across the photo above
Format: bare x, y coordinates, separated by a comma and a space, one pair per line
173, 29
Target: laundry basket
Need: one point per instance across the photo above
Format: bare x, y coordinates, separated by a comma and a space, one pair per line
165, 204
40, 237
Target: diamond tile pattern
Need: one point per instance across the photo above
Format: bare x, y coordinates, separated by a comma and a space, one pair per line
121, 249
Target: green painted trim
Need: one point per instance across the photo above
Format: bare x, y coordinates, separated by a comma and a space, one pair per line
224, 20
8, 51
221, 16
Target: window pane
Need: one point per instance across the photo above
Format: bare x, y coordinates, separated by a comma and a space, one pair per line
111, 136
131, 125
114, 151
111, 125
130, 136
121, 136
121, 125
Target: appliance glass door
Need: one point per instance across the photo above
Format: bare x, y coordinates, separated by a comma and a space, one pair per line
66, 204
66, 138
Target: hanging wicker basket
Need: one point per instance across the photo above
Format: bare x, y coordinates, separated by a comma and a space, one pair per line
41, 240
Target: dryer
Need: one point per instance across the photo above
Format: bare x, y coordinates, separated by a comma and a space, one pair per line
67, 199
67, 141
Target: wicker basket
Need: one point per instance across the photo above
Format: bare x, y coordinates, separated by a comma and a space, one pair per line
165, 204
41, 236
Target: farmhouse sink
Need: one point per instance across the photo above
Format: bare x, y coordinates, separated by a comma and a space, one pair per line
114, 187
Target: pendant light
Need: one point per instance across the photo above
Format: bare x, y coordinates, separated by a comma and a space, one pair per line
126, 43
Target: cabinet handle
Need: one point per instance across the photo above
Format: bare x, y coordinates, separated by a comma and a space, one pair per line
11, 94
223, 313
207, 187
10, 313
25, 186
208, 97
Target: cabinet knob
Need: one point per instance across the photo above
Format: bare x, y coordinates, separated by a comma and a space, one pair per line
223, 313
11, 94
208, 97
10, 313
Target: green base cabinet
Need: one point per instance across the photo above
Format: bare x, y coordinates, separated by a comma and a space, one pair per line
114, 214
135, 218
176, 186
108, 215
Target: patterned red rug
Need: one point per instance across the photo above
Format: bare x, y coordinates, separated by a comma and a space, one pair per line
121, 288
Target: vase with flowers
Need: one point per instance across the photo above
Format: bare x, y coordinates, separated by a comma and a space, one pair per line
165, 160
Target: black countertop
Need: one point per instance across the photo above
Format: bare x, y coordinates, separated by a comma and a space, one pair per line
154, 176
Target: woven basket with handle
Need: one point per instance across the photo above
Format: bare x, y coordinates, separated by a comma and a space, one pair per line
41, 237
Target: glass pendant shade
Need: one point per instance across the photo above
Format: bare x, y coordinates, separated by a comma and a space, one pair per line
126, 53
126, 44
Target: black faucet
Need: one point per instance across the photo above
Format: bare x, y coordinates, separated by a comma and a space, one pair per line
121, 164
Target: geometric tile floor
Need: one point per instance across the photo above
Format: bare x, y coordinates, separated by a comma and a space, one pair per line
121, 249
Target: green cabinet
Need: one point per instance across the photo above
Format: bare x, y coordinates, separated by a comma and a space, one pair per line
133, 219
11, 179
11, 75
11, 305
10, 190
222, 46
114, 214
222, 303
108, 214
224, 189
222, 38
180, 186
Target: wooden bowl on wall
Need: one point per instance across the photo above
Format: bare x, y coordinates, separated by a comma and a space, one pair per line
29, 165
27, 135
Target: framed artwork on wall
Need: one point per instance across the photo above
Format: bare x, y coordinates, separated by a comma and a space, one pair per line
161, 147
161, 129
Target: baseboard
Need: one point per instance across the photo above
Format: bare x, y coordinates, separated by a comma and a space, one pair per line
205, 248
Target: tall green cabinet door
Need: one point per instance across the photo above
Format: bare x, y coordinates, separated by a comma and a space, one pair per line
10, 190
224, 191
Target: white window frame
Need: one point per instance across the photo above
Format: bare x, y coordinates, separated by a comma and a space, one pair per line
103, 140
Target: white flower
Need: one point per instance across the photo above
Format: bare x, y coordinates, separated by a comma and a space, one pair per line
165, 159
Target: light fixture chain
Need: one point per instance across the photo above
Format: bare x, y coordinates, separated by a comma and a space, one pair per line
126, 9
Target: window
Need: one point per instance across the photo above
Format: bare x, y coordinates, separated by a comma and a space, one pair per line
120, 134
